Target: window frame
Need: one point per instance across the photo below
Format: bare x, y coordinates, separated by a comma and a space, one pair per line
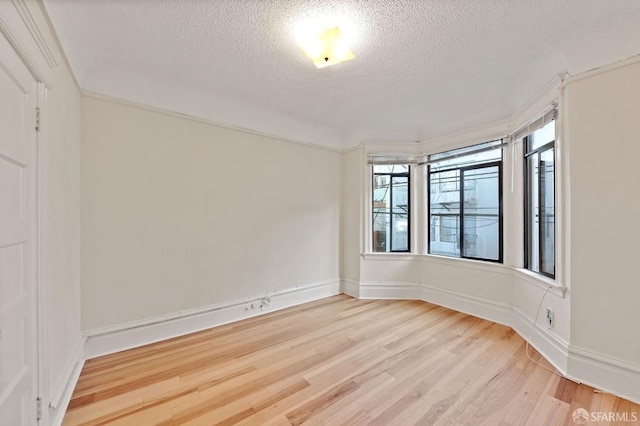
527, 153
460, 216
391, 176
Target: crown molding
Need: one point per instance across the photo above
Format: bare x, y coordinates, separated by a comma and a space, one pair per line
606, 68
183, 116
23, 9
20, 28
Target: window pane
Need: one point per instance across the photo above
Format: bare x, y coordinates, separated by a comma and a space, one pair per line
445, 213
449, 229
541, 136
547, 212
381, 213
390, 208
464, 202
380, 225
466, 156
482, 213
400, 214
532, 219
540, 200
540, 214
388, 169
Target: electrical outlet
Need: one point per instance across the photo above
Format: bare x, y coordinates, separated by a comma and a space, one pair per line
550, 318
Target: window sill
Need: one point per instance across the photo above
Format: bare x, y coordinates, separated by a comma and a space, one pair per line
521, 273
443, 260
390, 256
541, 281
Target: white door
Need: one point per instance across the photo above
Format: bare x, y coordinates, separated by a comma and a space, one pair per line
18, 348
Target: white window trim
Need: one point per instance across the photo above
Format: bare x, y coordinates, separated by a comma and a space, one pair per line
414, 209
515, 254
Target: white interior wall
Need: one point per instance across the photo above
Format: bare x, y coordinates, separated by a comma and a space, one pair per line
605, 237
529, 302
62, 225
180, 214
350, 234
490, 283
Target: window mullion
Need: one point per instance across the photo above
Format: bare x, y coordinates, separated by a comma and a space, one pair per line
461, 213
540, 212
390, 213
500, 216
429, 227
526, 207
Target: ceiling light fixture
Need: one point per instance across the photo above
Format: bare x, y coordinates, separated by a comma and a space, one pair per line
325, 47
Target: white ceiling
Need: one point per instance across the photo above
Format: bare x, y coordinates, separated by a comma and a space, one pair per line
423, 68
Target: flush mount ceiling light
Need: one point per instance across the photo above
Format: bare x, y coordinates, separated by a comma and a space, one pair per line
325, 47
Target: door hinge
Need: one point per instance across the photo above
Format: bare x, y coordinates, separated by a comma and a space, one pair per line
37, 119
38, 408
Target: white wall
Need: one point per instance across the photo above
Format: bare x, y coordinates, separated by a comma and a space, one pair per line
477, 288
484, 282
605, 186
180, 214
351, 218
62, 226
529, 302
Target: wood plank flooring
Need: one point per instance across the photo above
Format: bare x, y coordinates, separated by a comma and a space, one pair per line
335, 361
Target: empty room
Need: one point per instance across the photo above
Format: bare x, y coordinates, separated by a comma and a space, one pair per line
263, 212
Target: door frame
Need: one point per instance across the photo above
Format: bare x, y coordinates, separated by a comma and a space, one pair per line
42, 328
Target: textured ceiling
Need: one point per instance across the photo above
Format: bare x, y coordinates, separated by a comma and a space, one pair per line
422, 69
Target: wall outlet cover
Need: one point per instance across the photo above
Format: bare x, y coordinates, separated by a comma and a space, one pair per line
549, 317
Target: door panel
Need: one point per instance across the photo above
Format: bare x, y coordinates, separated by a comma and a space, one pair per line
11, 190
18, 357
11, 118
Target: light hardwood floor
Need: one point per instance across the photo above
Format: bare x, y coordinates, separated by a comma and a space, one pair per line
335, 361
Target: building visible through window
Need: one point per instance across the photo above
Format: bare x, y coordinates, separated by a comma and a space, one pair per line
540, 213
391, 219
465, 202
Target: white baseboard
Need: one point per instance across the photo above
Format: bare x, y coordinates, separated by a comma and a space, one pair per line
125, 336
389, 290
350, 287
552, 347
600, 371
62, 390
482, 308
606, 373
